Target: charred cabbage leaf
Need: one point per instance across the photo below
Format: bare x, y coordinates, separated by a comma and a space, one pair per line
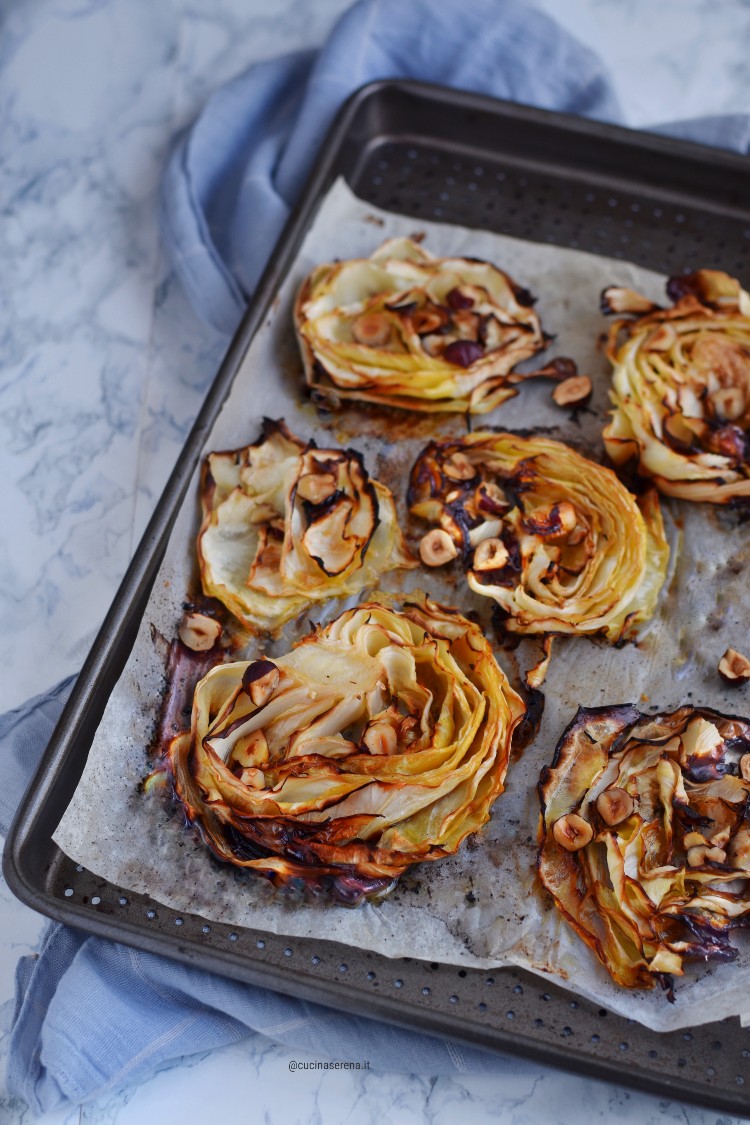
381, 740
286, 524
404, 328
681, 387
645, 841
556, 540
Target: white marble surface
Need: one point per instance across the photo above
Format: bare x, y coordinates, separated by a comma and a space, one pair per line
104, 367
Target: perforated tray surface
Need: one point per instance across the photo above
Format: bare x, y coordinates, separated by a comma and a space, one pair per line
458, 158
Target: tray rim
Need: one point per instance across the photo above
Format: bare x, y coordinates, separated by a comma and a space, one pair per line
62, 747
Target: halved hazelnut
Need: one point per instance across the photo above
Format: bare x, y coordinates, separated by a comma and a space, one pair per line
408, 730
666, 962
380, 738
734, 668
316, 487
459, 467
260, 681
745, 767
437, 548
614, 805
573, 391
728, 403
254, 778
699, 854
252, 751
199, 631
435, 345
491, 554
572, 832
425, 321
372, 329
567, 515
618, 299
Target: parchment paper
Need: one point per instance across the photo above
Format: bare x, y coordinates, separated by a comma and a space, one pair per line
482, 907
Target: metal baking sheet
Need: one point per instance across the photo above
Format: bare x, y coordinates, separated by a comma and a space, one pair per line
490, 191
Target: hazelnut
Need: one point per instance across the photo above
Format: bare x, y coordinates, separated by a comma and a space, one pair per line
491, 554
260, 681
618, 299
745, 767
459, 467
572, 832
372, 329
252, 751
254, 778
199, 631
437, 548
614, 805
734, 668
434, 344
694, 840
408, 730
316, 487
567, 515
573, 391
728, 403
425, 321
666, 962
700, 854
380, 738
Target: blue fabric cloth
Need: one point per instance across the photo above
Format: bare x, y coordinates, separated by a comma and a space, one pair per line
92, 1014
233, 178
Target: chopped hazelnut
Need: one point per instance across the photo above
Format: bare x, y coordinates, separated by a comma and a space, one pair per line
618, 299
734, 668
372, 329
437, 548
199, 631
614, 805
573, 392
694, 840
425, 321
728, 403
254, 778
745, 767
572, 832
316, 487
459, 467
699, 854
666, 962
567, 515
260, 681
380, 738
491, 554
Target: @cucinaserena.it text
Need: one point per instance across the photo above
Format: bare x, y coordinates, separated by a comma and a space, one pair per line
317, 1064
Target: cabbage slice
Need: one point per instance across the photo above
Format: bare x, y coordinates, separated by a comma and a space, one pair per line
681, 387
287, 525
384, 743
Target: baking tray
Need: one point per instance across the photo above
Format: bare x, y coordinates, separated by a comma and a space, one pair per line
426, 152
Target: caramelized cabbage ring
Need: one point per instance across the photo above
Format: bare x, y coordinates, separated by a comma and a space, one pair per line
555, 539
286, 524
403, 328
681, 387
380, 741
662, 800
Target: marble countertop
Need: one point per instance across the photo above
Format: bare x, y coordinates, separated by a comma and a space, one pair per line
104, 367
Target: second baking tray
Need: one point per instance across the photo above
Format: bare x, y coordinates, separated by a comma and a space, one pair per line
437, 154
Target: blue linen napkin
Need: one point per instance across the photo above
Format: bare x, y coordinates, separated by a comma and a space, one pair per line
91, 1014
